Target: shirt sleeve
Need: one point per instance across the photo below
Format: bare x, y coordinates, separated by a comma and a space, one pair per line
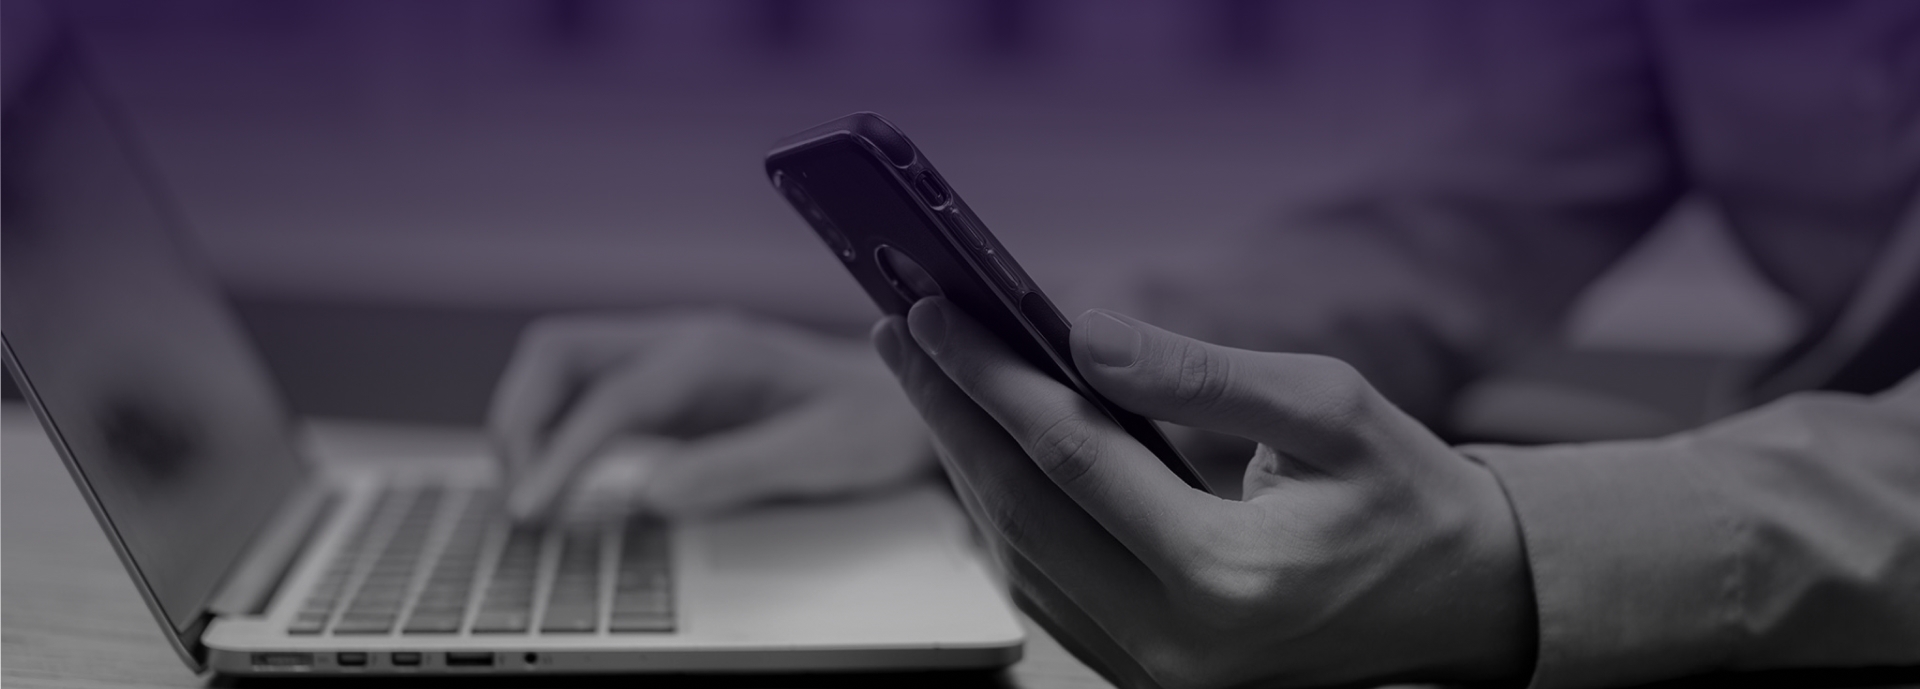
1787, 537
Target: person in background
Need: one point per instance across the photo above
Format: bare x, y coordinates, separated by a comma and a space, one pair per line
1486, 161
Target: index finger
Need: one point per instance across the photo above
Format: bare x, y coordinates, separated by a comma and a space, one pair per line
1105, 471
527, 396
552, 359
1017, 504
643, 394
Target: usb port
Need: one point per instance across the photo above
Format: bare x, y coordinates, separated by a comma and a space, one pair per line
406, 658
283, 661
469, 659
351, 659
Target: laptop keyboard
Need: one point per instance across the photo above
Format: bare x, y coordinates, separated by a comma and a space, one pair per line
443, 561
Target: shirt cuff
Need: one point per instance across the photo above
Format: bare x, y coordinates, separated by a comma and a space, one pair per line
1633, 559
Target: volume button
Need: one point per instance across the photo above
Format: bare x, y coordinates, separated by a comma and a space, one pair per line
969, 232
1003, 268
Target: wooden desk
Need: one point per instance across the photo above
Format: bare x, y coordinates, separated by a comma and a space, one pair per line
73, 619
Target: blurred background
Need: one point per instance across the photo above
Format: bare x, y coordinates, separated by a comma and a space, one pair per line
390, 190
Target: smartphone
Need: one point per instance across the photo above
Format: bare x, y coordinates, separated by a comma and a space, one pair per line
894, 222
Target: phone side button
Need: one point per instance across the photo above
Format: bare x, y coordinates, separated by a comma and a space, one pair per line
1004, 270
970, 233
932, 190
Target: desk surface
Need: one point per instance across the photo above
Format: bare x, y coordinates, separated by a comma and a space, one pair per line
73, 619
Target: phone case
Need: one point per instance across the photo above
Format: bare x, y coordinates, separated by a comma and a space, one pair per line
901, 230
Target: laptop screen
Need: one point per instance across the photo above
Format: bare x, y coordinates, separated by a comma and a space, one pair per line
139, 367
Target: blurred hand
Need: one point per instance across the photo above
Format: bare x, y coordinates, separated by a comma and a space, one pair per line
1365, 549
767, 411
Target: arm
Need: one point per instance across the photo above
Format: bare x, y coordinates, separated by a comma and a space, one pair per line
1366, 550
1786, 537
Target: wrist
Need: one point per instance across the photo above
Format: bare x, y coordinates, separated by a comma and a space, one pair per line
1503, 637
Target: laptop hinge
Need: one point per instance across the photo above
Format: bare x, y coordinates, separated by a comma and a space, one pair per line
193, 648
258, 576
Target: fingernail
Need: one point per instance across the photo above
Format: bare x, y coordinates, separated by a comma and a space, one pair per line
928, 322
1111, 341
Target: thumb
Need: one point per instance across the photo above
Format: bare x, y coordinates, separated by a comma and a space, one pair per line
1315, 409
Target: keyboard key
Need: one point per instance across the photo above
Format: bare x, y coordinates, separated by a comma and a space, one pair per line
327, 594
441, 605
570, 620
574, 597
385, 584
507, 605
434, 623
642, 586
647, 604
363, 623
640, 622
308, 623
640, 580
500, 621
375, 606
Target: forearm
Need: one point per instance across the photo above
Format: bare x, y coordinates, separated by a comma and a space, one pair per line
1785, 537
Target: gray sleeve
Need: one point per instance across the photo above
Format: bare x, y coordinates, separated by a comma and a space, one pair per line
1785, 537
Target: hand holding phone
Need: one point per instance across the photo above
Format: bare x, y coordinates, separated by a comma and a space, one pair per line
904, 234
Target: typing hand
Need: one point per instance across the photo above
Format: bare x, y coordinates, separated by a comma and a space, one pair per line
1365, 548
767, 411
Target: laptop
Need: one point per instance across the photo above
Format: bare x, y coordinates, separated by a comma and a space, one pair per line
257, 561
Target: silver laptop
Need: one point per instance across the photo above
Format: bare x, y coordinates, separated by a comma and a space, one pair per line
256, 561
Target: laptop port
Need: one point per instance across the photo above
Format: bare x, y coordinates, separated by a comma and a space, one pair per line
283, 661
351, 659
406, 658
469, 659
